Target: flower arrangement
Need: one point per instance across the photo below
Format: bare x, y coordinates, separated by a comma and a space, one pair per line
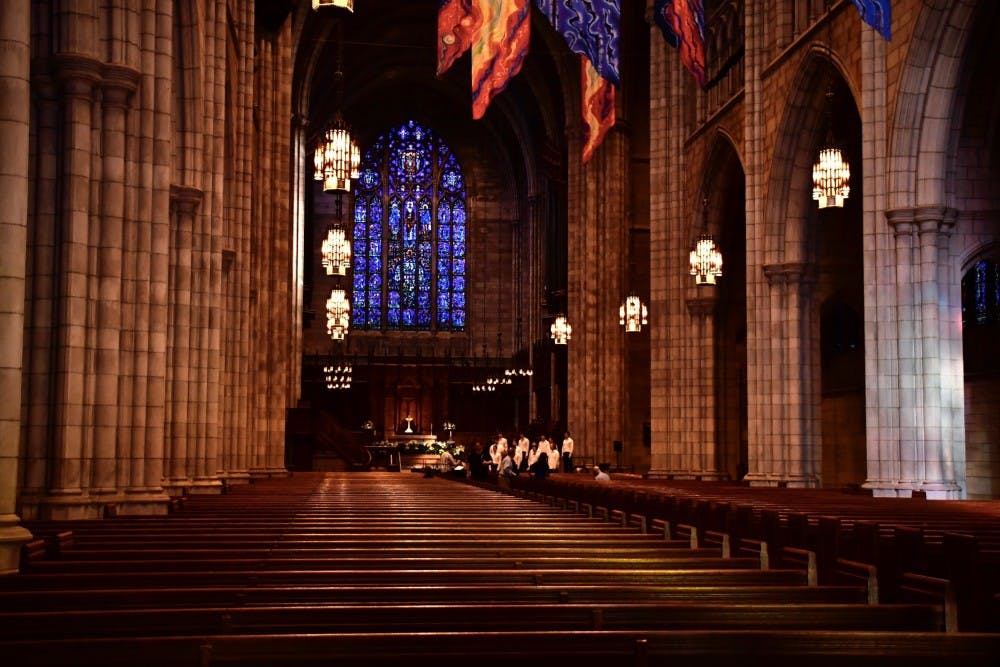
423, 447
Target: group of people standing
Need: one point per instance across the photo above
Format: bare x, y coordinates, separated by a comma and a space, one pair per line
537, 458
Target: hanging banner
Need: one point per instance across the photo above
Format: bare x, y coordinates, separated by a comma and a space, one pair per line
499, 52
598, 95
591, 28
876, 14
683, 26
459, 22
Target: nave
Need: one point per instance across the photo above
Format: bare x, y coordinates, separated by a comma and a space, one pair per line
378, 568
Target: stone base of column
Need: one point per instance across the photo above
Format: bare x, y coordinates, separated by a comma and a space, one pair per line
789, 481
176, 487
56, 506
278, 472
669, 473
144, 502
258, 473
12, 537
205, 486
235, 477
941, 490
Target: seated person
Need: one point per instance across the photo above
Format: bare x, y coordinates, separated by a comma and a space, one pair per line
446, 461
601, 474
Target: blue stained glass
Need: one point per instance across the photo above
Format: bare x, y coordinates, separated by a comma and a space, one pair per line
359, 282
395, 215
403, 211
358, 317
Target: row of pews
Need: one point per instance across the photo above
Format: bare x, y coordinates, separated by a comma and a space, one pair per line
902, 549
389, 568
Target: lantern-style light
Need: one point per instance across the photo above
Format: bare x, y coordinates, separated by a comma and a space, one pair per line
706, 261
336, 252
337, 157
633, 314
343, 4
561, 331
338, 314
831, 172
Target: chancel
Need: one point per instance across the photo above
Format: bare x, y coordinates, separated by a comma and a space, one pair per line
261, 259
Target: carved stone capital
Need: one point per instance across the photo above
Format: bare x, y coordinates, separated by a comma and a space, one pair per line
118, 84
185, 198
77, 74
701, 306
789, 272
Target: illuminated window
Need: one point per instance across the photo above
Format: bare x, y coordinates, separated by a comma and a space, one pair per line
409, 234
980, 294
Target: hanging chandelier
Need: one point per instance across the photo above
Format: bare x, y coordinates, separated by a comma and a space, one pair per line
561, 331
336, 252
831, 177
520, 372
831, 172
338, 314
337, 157
338, 377
343, 4
633, 314
706, 261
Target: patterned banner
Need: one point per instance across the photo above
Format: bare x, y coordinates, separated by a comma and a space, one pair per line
499, 51
459, 22
876, 14
683, 26
591, 28
598, 95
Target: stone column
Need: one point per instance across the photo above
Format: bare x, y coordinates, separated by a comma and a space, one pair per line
902, 459
184, 203
704, 463
938, 481
78, 77
117, 87
14, 115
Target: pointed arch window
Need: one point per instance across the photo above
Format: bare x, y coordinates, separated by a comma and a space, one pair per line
981, 294
409, 234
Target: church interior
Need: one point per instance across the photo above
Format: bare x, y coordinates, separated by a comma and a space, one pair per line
262, 260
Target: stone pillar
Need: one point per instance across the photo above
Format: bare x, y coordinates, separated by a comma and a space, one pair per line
184, 202
118, 84
78, 77
14, 115
704, 462
791, 454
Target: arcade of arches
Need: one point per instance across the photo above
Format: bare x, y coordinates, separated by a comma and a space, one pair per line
163, 299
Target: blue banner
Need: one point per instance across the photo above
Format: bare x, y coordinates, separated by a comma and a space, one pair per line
876, 14
590, 28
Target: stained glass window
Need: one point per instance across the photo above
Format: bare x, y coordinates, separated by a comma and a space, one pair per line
409, 234
981, 294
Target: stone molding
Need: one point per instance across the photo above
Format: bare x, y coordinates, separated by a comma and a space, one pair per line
789, 272
185, 198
